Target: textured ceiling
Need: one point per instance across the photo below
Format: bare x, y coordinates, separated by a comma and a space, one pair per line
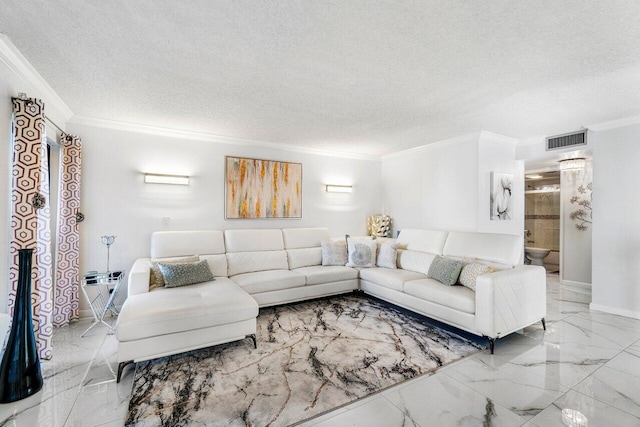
359, 76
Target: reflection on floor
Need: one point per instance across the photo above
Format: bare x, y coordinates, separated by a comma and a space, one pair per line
585, 361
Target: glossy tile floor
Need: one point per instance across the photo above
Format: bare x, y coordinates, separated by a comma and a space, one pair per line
585, 361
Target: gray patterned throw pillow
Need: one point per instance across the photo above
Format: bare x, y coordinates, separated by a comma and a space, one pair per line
445, 270
185, 274
155, 277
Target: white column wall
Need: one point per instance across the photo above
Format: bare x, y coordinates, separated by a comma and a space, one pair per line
576, 244
616, 221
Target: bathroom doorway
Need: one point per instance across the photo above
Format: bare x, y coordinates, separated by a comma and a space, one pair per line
542, 219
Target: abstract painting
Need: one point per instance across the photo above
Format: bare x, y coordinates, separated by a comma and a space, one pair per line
500, 197
262, 189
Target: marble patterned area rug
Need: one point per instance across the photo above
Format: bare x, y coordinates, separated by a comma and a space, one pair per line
312, 357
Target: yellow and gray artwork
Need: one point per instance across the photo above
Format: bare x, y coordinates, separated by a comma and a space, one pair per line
263, 188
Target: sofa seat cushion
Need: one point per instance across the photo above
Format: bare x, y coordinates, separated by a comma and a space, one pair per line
389, 278
173, 310
456, 297
326, 274
271, 280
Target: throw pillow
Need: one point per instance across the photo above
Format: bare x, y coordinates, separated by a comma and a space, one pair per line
362, 252
445, 270
334, 253
155, 278
471, 271
388, 255
185, 274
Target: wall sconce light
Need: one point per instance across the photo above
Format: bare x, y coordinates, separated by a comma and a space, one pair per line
572, 164
154, 178
339, 188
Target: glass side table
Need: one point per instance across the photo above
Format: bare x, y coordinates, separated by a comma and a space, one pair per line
100, 291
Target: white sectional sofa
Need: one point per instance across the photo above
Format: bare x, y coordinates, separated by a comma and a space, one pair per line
266, 267
507, 300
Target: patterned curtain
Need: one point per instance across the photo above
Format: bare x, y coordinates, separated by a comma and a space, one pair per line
68, 250
30, 215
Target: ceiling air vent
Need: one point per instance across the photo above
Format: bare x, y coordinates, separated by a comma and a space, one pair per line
567, 140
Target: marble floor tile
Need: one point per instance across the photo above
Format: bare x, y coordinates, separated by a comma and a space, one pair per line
634, 348
597, 413
576, 330
616, 383
558, 309
440, 400
567, 364
521, 390
375, 412
107, 401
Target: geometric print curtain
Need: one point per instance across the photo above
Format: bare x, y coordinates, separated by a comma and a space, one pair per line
67, 289
30, 216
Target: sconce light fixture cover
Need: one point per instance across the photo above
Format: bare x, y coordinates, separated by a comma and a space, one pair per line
339, 188
572, 164
154, 178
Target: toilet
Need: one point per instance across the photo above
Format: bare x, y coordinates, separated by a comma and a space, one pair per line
536, 255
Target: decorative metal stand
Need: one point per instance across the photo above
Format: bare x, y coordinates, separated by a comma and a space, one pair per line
20, 374
108, 241
104, 289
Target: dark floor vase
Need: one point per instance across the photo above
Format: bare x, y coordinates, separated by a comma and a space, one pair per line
20, 374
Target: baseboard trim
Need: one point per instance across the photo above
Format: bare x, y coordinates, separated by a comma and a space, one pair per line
615, 310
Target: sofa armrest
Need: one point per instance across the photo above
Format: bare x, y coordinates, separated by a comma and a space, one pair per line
509, 300
139, 277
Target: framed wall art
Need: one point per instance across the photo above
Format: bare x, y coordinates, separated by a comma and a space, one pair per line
256, 188
500, 197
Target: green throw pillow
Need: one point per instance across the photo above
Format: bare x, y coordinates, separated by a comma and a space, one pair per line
445, 270
185, 274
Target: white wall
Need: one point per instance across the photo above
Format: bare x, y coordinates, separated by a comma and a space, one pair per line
116, 201
576, 244
446, 185
616, 225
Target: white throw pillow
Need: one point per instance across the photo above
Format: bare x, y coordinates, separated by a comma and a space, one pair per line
387, 255
334, 253
362, 252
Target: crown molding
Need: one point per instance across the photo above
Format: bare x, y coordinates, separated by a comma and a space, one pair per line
22, 68
209, 137
613, 124
475, 136
496, 137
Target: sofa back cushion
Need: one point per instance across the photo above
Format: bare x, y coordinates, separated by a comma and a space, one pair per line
499, 248
306, 257
166, 244
217, 264
415, 261
255, 250
268, 239
298, 238
248, 262
429, 241
303, 246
